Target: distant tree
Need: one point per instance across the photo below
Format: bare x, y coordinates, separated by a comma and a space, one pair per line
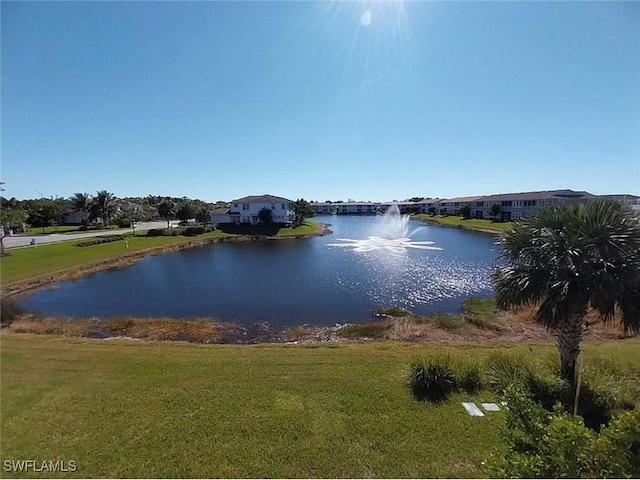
167, 211
13, 202
11, 218
495, 211
103, 206
302, 209
465, 211
203, 215
81, 202
187, 211
43, 213
415, 199
432, 211
266, 216
124, 219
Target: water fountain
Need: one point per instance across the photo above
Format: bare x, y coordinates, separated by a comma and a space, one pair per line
393, 236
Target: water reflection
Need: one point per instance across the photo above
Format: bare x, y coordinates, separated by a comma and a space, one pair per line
288, 282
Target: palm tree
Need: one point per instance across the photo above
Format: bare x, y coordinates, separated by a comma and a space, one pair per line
167, 210
495, 210
81, 202
104, 205
567, 259
266, 216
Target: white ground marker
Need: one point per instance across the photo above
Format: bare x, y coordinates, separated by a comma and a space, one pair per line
491, 407
472, 409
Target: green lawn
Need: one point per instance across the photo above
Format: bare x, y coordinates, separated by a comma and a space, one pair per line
30, 263
471, 223
307, 228
48, 259
36, 231
128, 409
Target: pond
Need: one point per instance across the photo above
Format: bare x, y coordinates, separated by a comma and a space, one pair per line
325, 280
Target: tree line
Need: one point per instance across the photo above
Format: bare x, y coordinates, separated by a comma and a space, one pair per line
103, 208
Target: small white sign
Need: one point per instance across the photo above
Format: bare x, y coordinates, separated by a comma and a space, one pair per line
472, 409
491, 407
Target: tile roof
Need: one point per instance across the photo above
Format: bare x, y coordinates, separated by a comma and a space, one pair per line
220, 211
541, 195
460, 199
266, 198
621, 196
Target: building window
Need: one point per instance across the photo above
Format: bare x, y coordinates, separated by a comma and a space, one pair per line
283, 206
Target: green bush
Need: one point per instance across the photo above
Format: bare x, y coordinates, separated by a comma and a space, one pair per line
468, 377
197, 230
595, 405
99, 240
193, 230
556, 445
433, 381
504, 370
174, 232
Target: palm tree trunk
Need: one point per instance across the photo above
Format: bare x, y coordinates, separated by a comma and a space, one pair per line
569, 337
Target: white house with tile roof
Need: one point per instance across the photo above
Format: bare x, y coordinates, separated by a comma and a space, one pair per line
246, 209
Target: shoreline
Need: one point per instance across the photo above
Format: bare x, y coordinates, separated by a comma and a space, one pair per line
431, 221
20, 289
480, 324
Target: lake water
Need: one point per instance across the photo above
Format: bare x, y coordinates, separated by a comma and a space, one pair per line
287, 282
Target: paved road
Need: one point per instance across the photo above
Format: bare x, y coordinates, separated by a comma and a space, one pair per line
23, 241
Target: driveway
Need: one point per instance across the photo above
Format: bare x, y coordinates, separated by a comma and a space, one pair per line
24, 241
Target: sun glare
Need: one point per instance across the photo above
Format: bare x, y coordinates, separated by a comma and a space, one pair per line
365, 19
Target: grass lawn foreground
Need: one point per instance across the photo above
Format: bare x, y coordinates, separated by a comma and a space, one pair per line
131, 409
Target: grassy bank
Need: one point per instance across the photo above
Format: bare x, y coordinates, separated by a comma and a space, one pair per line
469, 224
130, 409
48, 262
25, 264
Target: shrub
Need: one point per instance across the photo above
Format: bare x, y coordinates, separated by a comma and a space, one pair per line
370, 330
559, 445
595, 405
449, 322
164, 232
119, 325
99, 240
9, 312
433, 380
193, 230
504, 370
468, 377
197, 230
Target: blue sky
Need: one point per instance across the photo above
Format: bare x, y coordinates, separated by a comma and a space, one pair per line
321, 100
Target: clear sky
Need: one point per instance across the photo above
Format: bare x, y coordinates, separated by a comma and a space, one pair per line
321, 100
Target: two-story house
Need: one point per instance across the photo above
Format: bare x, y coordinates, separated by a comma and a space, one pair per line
247, 209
